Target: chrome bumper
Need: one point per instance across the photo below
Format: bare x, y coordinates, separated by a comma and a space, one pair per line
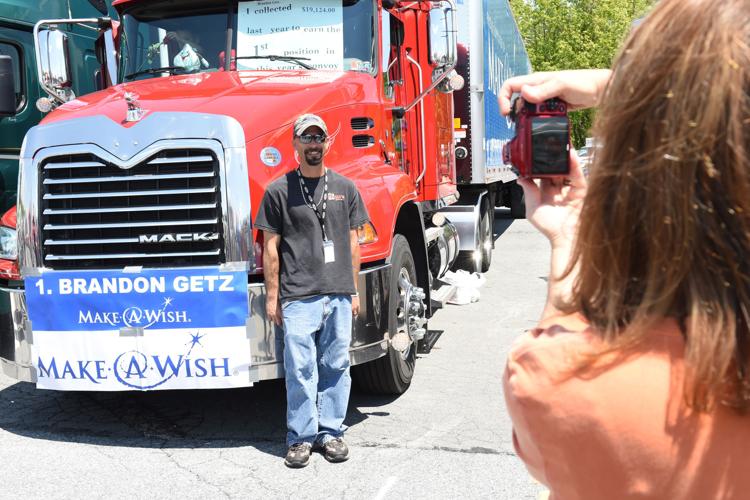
370, 337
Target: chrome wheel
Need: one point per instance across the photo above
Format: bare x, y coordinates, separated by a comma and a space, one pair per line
410, 316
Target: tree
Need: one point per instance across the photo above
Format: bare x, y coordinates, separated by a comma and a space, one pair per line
572, 34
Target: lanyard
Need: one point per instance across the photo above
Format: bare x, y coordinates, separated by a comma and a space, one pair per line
310, 201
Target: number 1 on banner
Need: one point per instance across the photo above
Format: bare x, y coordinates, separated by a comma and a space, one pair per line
40, 286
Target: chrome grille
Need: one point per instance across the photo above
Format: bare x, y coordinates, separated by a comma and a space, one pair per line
96, 215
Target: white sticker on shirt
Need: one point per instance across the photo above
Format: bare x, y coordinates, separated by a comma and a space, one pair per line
328, 252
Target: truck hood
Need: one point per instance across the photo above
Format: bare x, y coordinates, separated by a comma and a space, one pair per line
259, 101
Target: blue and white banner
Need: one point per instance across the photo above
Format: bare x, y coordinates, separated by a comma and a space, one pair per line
154, 329
152, 298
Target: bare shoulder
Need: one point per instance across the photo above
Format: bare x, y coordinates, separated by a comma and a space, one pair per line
547, 355
553, 334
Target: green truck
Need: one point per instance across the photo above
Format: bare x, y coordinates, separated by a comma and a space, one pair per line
20, 89
17, 19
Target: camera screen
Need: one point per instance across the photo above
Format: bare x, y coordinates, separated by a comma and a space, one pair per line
549, 145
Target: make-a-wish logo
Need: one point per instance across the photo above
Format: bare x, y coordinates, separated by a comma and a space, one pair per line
137, 370
134, 316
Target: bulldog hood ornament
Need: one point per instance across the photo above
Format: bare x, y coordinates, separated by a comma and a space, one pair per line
135, 112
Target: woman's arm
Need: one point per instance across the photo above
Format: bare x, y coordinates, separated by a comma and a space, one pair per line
581, 88
554, 205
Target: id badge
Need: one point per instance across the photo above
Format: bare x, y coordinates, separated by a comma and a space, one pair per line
328, 253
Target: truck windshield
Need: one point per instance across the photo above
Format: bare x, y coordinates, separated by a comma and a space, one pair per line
159, 39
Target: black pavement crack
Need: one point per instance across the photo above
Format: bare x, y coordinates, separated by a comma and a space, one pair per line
474, 450
200, 478
252, 473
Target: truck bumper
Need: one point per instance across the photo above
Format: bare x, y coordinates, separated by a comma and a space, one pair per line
370, 336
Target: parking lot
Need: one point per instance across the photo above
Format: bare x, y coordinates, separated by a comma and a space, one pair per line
448, 436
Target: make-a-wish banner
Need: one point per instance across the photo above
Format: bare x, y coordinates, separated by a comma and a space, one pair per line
149, 330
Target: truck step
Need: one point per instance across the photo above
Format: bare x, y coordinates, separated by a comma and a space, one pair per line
441, 295
428, 342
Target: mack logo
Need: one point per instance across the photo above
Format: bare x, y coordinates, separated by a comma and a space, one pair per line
177, 237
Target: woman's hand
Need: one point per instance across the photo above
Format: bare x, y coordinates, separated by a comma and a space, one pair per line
554, 205
580, 88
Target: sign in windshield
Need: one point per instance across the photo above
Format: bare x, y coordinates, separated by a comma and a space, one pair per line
311, 31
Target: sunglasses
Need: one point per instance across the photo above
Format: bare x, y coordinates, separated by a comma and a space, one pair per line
308, 138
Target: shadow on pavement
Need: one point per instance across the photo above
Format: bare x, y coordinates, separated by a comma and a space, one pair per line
254, 416
503, 221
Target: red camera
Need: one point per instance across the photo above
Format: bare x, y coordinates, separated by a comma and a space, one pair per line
541, 147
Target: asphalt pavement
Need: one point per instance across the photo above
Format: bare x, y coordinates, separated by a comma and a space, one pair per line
448, 436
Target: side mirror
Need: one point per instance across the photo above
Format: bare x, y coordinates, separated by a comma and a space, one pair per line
54, 59
442, 34
7, 89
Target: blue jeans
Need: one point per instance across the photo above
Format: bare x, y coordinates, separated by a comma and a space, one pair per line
317, 334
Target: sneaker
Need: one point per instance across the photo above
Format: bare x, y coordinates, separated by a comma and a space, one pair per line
336, 450
298, 455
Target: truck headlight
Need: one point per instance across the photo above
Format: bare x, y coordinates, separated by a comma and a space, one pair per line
8, 243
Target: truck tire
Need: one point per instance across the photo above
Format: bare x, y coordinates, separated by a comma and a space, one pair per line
392, 373
517, 202
486, 234
466, 259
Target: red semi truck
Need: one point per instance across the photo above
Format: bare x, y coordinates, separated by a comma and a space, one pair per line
138, 266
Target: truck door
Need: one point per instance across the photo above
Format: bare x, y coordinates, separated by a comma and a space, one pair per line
16, 43
439, 103
395, 91
425, 134
401, 82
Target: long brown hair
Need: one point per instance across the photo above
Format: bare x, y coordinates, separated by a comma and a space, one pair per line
665, 227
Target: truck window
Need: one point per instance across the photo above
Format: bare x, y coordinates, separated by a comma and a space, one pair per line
156, 35
392, 38
8, 49
321, 34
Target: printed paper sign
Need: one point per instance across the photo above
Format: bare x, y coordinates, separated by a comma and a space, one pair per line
154, 329
310, 29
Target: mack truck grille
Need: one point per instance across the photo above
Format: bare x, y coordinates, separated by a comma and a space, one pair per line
165, 211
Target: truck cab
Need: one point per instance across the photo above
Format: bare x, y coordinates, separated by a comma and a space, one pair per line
162, 172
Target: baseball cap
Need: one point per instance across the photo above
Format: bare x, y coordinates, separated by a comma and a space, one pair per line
309, 120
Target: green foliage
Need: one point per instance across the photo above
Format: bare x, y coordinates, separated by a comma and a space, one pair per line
575, 34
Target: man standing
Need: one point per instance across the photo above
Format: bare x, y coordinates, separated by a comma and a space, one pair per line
309, 219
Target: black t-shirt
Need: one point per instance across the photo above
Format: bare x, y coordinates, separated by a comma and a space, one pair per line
302, 268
